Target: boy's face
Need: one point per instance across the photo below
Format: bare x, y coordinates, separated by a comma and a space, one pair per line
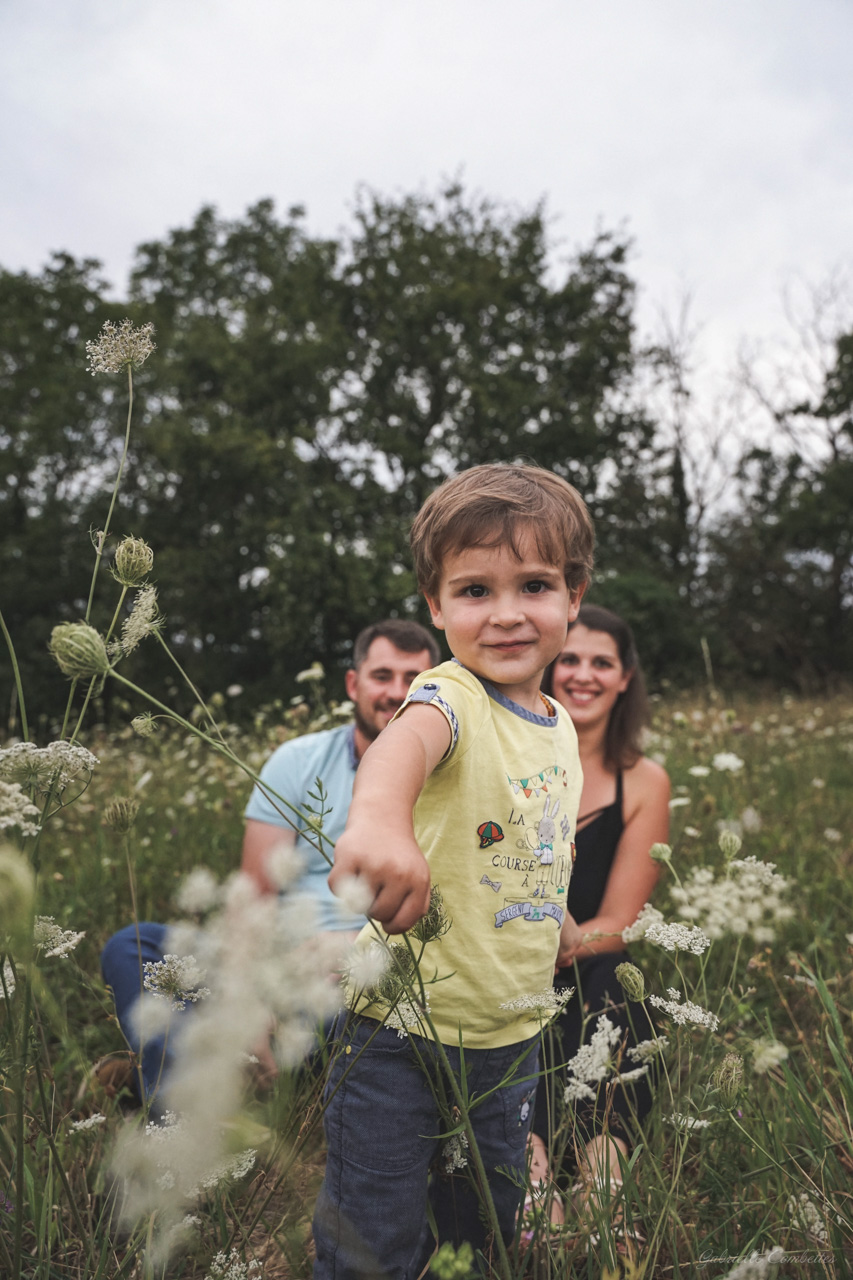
505, 619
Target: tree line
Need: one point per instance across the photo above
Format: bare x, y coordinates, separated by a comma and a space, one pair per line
306, 395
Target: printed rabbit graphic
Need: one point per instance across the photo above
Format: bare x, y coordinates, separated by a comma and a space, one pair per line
546, 830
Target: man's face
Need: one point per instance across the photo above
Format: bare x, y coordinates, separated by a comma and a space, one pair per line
379, 686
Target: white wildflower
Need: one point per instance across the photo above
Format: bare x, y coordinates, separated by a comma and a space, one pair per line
118, 346
314, 672
678, 802
53, 941
730, 836
727, 762
818, 783
593, 1061
366, 965
766, 1054
356, 894
46, 769
758, 1266
699, 771
283, 865
198, 893
646, 1050
747, 900
7, 986
649, 915
231, 1266
548, 1001
91, 1122
750, 820
145, 619
16, 810
678, 937
454, 1153
693, 832
684, 1012
687, 1123
234, 690
807, 1217
832, 835
627, 1077
178, 979
407, 1015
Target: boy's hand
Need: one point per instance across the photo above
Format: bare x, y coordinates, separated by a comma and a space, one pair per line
394, 868
570, 941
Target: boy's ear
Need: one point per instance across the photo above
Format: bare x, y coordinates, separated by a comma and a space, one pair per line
434, 611
575, 598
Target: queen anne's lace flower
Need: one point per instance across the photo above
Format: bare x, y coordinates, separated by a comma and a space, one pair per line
758, 1266
91, 1122
648, 916
407, 1015
177, 979
7, 986
684, 1012
748, 899
50, 768
454, 1153
727, 762
548, 1001
646, 1050
678, 937
230, 1266
145, 619
16, 810
118, 346
594, 1062
53, 941
687, 1123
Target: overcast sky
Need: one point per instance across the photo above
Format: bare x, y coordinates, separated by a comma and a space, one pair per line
720, 135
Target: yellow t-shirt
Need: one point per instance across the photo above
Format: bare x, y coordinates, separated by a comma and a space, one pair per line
496, 822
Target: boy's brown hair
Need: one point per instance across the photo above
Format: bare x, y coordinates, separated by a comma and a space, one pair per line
491, 506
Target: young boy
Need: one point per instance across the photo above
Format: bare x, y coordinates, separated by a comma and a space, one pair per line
473, 788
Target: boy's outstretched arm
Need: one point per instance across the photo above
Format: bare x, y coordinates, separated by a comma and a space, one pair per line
379, 843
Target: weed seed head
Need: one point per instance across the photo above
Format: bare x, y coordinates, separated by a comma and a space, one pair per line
728, 1079
435, 923
133, 562
145, 725
118, 346
120, 814
79, 650
631, 980
145, 619
730, 843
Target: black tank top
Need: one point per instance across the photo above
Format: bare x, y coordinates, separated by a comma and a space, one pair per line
596, 848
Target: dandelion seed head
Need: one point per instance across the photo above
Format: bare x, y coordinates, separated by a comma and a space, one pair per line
355, 893
366, 965
118, 346
767, 1054
198, 893
283, 865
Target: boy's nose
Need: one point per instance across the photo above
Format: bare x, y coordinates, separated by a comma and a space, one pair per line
506, 612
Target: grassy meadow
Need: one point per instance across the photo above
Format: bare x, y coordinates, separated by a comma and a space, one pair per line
719, 1174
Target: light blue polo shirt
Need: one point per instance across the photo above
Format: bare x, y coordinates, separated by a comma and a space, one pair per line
292, 771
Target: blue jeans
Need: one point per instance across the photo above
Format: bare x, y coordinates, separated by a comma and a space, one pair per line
121, 964
384, 1150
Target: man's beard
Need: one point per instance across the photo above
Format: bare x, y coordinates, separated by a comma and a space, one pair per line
370, 731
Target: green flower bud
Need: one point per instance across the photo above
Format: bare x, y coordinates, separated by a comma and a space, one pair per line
661, 852
631, 980
730, 843
728, 1079
448, 1264
17, 886
133, 562
145, 725
79, 650
435, 923
120, 814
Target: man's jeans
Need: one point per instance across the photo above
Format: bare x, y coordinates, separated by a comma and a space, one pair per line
121, 964
385, 1162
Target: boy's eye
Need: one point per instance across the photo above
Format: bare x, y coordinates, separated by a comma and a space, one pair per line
535, 588
476, 590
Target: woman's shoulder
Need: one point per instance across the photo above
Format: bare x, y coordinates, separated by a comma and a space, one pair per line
645, 784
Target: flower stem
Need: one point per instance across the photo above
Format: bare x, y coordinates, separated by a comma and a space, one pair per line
22, 708
102, 536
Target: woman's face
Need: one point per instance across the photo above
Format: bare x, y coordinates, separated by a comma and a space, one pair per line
588, 676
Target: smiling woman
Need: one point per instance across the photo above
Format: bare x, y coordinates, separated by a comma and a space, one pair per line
624, 810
